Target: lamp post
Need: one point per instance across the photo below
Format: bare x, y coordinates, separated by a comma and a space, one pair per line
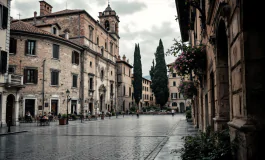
67, 94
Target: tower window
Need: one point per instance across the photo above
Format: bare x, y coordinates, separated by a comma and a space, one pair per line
107, 25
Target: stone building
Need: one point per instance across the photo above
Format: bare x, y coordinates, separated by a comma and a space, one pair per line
10, 83
125, 86
232, 88
93, 48
176, 100
148, 98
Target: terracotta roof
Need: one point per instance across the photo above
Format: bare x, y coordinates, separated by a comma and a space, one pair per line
48, 24
171, 64
64, 12
26, 27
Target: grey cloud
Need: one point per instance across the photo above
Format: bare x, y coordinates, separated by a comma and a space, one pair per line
150, 42
125, 7
101, 2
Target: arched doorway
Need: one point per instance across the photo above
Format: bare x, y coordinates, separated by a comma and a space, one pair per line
10, 108
222, 76
182, 107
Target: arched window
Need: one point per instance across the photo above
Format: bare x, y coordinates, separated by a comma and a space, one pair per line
102, 75
107, 25
124, 90
116, 27
102, 51
174, 104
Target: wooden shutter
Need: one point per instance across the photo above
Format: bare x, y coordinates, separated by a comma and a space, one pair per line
52, 78
25, 76
3, 62
77, 58
36, 76
56, 78
13, 45
5, 17
171, 95
34, 47
26, 47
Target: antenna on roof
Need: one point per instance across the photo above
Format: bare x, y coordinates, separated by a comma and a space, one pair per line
19, 15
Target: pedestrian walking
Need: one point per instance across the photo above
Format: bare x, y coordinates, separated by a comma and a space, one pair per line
123, 113
137, 113
172, 112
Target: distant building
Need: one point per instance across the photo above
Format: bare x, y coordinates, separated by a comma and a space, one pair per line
176, 100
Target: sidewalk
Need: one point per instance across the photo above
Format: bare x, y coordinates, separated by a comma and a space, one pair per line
175, 141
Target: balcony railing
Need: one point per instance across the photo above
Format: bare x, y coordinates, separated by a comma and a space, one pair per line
14, 79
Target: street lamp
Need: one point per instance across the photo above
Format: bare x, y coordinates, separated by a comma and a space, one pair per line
67, 94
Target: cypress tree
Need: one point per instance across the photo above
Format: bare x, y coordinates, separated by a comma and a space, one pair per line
160, 78
137, 74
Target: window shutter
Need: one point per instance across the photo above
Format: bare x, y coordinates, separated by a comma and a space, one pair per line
171, 95
3, 62
77, 58
36, 76
73, 57
57, 78
13, 46
52, 78
25, 76
5, 17
34, 48
26, 46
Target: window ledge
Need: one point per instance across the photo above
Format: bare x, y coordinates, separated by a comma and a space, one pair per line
12, 54
57, 59
54, 85
31, 55
30, 83
75, 64
74, 87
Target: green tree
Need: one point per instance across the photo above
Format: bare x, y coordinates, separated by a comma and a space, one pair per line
152, 71
160, 78
137, 74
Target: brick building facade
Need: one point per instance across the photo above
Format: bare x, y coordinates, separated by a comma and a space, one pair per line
85, 53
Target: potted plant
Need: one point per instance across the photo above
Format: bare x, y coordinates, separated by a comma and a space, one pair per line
62, 120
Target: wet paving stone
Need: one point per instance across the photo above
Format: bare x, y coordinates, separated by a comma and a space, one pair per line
123, 138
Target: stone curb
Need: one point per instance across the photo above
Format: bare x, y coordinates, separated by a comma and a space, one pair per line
10, 133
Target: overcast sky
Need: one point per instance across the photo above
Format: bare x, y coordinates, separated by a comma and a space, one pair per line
141, 21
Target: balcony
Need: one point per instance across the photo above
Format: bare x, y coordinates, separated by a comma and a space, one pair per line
14, 80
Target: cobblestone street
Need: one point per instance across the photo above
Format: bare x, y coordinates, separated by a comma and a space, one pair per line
122, 138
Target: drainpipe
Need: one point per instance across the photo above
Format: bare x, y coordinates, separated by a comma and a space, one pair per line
43, 78
81, 91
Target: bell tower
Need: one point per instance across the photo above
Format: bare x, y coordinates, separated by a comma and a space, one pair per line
110, 21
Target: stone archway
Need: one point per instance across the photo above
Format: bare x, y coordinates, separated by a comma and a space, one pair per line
222, 78
10, 109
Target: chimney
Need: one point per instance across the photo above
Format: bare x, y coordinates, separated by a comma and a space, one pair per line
45, 8
124, 58
35, 20
66, 33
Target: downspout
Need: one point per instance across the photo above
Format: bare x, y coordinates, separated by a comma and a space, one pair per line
81, 91
43, 87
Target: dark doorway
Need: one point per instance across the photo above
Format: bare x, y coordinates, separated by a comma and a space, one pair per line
73, 106
54, 107
30, 106
91, 108
222, 71
182, 107
123, 108
10, 108
212, 100
206, 111
101, 102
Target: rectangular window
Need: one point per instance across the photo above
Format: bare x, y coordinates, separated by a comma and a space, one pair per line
90, 64
11, 69
3, 61
130, 91
54, 78
91, 29
30, 47
13, 46
91, 83
111, 48
55, 51
54, 30
3, 17
174, 75
75, 57
30, 75
75, 77
173, 95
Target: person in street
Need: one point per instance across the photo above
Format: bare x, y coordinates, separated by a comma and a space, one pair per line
137, 113
172, 112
